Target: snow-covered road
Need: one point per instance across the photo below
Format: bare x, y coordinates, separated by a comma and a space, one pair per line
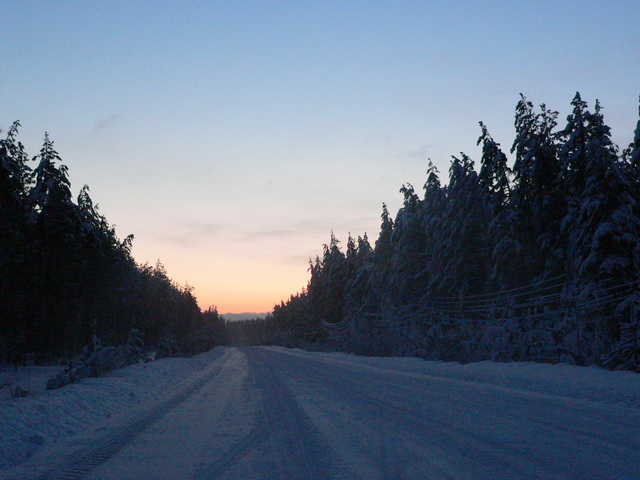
259, 413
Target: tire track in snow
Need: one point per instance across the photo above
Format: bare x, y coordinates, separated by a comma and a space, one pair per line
293, 443
494, 437
240, 449
296, 444
82, 464
478, 448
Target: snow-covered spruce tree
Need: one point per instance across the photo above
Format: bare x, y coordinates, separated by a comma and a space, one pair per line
406, 285
359, 281
634, 147
432, 216
382, 265
341, 338
573, 143
607, 247
602, 234
54, 263
463, 254
13, 230
359, 263
335, 270
290, 321
626, 353
538, 200
359, 296
351, 267
106, 264
465, 250
315, 300
327, 287
433, 209
513, 256
509, 255
631, 157
494, 171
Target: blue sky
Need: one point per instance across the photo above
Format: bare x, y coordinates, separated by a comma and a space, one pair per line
231, 137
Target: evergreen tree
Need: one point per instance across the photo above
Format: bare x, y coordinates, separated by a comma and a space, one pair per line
53, 255
572, 153
539, 193
406, 284
328, 284
494, 172
382, 263
601, 230
13, 231
432, 215
633, 151
608, 232
359, 284
465, 249
632, 160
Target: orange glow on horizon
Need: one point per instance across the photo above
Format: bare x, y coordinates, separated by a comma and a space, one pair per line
230, 283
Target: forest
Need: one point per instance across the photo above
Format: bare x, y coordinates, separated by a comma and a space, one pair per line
531, 259
535, 259
68, 283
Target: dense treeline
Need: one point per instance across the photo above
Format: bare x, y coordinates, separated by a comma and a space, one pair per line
538, 260
66, 279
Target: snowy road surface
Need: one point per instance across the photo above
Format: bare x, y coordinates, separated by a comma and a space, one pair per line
262, 413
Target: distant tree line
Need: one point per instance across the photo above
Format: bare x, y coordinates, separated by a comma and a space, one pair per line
66, 278
539, 260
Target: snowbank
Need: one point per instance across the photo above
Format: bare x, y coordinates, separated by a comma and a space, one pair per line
26, 424
592, 383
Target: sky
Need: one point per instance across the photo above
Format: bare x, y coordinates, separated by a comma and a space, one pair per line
232, 137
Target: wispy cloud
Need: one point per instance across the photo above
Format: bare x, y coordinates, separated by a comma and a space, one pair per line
193, 233
104, 124
273, 233
204, 229
418, 153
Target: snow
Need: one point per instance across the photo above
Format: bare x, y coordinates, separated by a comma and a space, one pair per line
586, 383
287, 413
30, 378
51, 415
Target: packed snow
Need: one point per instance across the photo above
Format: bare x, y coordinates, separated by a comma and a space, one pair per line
282, 413
31, 424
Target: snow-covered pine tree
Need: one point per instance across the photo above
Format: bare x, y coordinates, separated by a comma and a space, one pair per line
327, 286
606, 252
511, 259
574, 138
465, 253
358, 262
359, 292
13, 206
406, 285
432, 216
538, 197
105, 268
382, 263
631, 157
494, 171
633, 150
13, 230
54, 259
